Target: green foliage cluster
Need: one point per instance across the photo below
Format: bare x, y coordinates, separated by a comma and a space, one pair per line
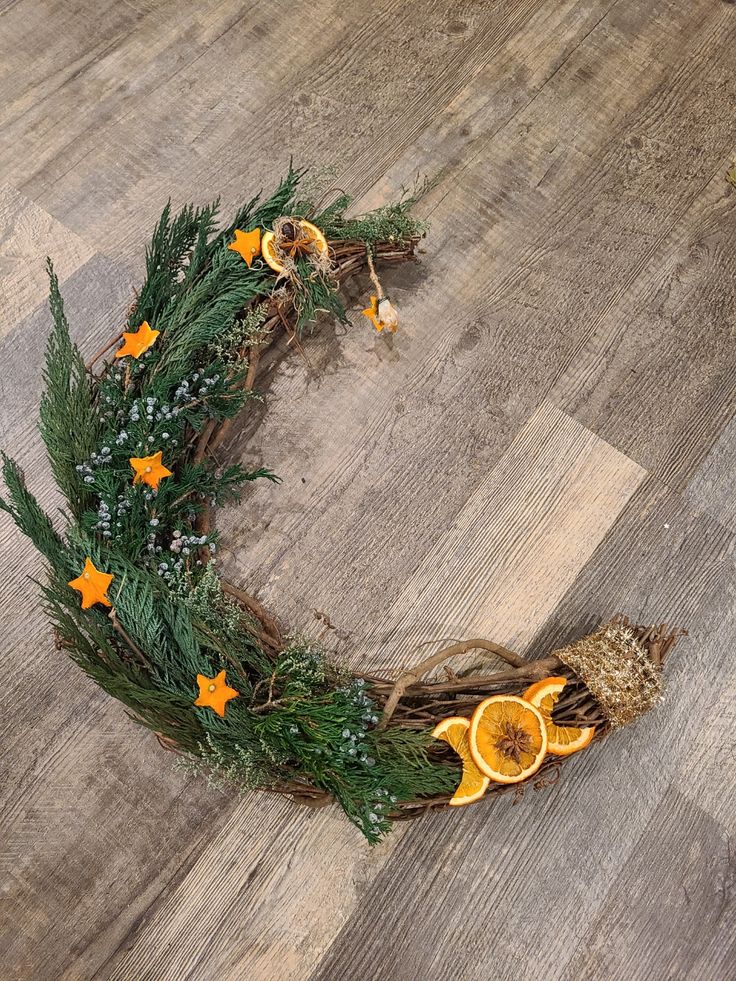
297, 717
392, 222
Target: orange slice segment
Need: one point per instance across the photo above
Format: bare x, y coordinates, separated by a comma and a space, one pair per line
507, 738
561, 740
269, 253
313, 239
318, 239
473, 784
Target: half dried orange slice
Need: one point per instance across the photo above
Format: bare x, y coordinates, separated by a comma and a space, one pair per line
507, 738
473, 784
561, 740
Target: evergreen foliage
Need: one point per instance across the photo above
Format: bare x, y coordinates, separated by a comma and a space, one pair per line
297, 715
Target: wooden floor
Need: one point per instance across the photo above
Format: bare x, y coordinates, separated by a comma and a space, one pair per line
548, 440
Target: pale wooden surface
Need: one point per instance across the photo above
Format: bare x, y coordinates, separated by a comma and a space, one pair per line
548, 439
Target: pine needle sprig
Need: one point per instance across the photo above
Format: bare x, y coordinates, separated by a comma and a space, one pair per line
176, 255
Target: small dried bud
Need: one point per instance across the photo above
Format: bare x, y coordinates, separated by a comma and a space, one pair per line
387, 315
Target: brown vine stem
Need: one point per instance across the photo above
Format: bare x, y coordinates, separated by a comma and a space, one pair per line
103, 350
372, 273
408, 678
254, 351
120, 629
257, 609
204, 437
533, 670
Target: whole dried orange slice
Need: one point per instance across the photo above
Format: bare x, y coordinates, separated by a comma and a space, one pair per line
473, 784
561, 740
306, 237
507, 738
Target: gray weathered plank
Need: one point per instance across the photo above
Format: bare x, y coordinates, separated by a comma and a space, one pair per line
658, 376
28, 234
660, 916
711, 487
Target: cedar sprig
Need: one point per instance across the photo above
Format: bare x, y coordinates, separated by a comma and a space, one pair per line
69, 421
29, 516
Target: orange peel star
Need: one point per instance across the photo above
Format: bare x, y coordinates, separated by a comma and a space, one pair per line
214, 693
247, 244
382, 314
93, 585
138, 342
149, 469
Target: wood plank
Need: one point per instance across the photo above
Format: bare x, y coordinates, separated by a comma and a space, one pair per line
711, 487
90, 952
659, 916
517, 892
658, 376
28, 234
532, 250
505, 343
232, 113
539, 498
482, 577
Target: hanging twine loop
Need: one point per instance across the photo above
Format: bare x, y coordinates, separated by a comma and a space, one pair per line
374, 275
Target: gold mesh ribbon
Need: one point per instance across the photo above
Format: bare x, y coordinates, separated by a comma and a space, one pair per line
617, 671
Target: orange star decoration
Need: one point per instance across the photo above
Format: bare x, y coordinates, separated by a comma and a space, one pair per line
93, 585
382, 313
247, 244
214, 692
149, 470
138, 343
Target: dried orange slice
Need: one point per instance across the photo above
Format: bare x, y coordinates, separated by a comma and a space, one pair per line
561, 740
507, 738
473, 784
313, 238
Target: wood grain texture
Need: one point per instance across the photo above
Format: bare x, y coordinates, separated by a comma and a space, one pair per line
493, 355
27, 235
94, 818
711, 487
658, 918
667, 353
570, 328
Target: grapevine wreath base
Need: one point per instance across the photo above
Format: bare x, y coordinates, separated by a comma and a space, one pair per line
135, 443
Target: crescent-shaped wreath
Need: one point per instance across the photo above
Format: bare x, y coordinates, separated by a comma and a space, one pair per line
132, 586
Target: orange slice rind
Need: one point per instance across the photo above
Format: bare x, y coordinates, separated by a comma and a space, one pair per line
507, 738
474, 784
561, 740
269, 253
